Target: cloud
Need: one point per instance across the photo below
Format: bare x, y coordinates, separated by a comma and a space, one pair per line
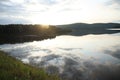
62, 11
13, 20
4, 0
49, 2
8, 7
114, 4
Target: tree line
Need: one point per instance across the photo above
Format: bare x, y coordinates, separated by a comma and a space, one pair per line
13, 33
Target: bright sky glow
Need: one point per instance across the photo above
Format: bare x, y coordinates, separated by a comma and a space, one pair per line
59, 11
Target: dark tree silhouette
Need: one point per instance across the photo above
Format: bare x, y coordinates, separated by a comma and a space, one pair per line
14, 33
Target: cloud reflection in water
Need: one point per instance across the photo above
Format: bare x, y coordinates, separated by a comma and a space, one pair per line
91, 57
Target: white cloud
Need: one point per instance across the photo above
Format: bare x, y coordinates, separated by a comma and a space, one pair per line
62, 11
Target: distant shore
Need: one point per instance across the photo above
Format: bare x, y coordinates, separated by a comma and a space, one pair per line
26, 33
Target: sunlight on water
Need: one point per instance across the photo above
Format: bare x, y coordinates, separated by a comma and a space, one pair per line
79, 53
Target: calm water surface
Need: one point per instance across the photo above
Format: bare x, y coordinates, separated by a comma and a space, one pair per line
89, 57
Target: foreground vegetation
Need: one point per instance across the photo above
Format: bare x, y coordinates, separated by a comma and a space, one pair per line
12, 69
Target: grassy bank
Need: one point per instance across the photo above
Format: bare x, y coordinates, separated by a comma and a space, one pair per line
12, 69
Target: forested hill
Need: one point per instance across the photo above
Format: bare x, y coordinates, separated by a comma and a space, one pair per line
15, 33
79, 29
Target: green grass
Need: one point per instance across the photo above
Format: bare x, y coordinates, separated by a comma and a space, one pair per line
13, 69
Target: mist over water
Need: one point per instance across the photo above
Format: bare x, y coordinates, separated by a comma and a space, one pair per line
89, 57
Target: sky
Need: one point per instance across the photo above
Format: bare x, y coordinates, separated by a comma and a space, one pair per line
56, 12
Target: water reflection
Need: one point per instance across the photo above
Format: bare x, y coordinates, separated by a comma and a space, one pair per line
90, 57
